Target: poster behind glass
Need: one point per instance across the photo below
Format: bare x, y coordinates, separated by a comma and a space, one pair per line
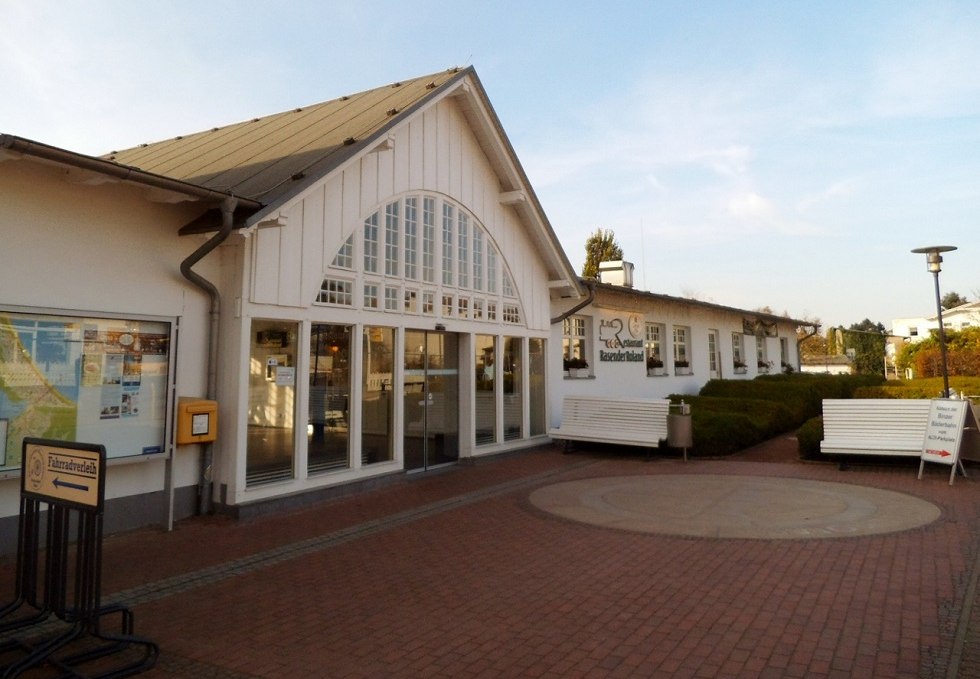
91, 380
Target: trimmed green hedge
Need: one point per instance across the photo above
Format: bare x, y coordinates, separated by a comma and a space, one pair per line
930, 387
801, 393
730, 415
808, 438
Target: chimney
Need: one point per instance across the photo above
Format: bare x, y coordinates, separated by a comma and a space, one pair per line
619, 272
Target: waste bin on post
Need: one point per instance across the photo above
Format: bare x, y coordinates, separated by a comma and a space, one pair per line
679, 431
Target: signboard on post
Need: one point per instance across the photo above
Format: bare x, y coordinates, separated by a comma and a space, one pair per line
64, 472
944, 434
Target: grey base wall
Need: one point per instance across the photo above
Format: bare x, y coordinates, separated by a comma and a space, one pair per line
120, 515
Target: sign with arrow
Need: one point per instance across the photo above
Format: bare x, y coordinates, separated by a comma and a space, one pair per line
64, 472
944, 433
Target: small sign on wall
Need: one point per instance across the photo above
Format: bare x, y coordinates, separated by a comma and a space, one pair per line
285, 376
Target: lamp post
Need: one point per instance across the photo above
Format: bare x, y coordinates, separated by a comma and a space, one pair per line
934, 261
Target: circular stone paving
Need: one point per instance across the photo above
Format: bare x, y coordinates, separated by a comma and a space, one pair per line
718, 506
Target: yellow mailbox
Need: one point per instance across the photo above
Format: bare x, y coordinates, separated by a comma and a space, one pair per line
197, 420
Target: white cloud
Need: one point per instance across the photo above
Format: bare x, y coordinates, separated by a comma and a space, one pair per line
752, 208
839, 189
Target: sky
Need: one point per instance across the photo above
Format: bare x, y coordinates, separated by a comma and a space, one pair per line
782, 154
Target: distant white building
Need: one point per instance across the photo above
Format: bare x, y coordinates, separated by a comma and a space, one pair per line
827, 365
908, 330
957, 318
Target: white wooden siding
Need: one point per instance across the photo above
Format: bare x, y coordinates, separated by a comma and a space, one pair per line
435, 152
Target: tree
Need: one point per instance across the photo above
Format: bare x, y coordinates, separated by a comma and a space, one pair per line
953, 299
809, 340
925, 357
600, 247
865, 341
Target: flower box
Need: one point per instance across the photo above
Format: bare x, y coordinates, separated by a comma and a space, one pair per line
655, 366
577, 367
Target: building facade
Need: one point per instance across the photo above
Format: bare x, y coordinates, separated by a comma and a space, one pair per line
360, 288
628, 342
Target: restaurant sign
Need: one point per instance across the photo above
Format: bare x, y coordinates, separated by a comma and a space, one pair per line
621, 342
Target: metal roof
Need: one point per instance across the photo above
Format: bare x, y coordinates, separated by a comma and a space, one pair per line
660, 297
270, 158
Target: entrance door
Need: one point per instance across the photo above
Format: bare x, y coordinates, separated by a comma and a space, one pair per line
431, 393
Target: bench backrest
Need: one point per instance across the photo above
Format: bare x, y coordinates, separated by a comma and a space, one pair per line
892, 418
615, 413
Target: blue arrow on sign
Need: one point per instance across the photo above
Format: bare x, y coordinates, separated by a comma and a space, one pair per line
76, 486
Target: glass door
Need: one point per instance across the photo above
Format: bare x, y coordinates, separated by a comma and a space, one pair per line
431, 399
271, 402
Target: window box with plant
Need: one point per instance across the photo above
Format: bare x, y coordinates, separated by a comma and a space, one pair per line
740, 367
577, 367
682, 367
764, 367
655, 366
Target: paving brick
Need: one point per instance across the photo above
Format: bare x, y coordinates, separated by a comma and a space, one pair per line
458, 574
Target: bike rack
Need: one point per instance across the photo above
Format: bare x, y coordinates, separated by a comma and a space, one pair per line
55, 620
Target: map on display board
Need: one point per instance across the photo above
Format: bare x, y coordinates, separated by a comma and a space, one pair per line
82, 379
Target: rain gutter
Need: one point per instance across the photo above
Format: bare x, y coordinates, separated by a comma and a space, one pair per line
115, 170
227, 225
590, 284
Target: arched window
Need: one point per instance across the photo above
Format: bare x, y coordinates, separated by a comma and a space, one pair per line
410, 261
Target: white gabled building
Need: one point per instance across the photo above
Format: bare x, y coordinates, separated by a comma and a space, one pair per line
362, 287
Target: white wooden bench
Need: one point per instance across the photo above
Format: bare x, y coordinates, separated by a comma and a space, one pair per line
627, 422
874, 426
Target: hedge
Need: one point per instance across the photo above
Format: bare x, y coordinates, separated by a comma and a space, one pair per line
730, 415
931, 387
808, 438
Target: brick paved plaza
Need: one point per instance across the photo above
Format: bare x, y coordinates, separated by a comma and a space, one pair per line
458, 574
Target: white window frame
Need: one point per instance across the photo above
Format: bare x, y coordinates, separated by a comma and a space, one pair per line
411, 229
575, 339
682, 349
448, 247
738, 352
371, 244
761, 353
370, 298
336, 292
429, 239
392, 244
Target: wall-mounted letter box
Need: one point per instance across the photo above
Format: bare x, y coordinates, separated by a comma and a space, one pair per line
197, 420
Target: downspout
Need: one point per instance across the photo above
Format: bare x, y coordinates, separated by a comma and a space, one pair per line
227, 224
590, 284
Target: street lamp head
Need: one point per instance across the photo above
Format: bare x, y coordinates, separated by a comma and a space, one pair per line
933, 255
934, 258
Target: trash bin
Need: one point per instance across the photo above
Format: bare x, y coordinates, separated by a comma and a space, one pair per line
679, 431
